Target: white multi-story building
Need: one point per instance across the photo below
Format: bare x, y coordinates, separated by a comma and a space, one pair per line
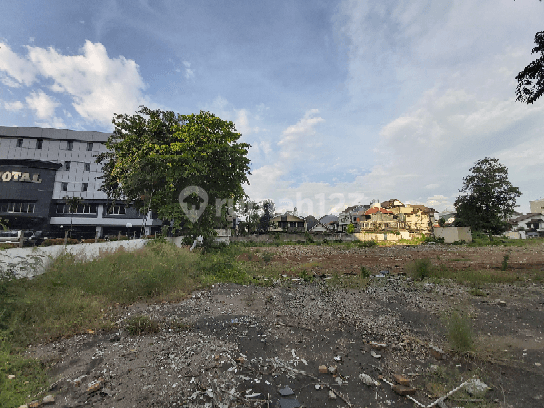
41, 168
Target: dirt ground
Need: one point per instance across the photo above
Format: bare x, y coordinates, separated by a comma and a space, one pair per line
244, 345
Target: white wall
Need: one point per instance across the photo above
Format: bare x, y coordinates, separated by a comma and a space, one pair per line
452, 234
28, 262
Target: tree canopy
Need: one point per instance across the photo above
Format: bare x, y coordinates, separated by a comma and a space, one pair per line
489, 198
153, 156
531, 79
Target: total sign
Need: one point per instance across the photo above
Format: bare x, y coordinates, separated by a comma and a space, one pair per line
19, 176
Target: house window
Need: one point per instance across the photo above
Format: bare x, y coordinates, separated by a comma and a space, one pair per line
84, 186
67, 165
69, 145
89, 146
17, 207
19, 142
39, 143
64, 186
87, 166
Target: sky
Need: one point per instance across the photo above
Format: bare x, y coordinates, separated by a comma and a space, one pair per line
342, 102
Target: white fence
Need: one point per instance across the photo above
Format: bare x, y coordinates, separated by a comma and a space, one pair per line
28, 262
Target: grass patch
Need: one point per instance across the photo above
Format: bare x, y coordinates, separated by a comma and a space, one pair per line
459, 331
139, 325
30, 377
421, 269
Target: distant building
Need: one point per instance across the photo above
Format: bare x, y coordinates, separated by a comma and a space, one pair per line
40, 167
537, 206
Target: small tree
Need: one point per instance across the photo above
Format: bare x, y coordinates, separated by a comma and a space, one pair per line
489, 198
72, 203
3, 224
350, 229
441, 222
268, 213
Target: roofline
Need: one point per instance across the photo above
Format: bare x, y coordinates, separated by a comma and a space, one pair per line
54, 134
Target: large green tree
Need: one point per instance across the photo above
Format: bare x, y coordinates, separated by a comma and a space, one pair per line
489, 198
155, 157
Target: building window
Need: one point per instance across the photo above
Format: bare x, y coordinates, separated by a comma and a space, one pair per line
67, 165
39, 143
84, 186
81, 209
69, 145
64, 186
117, 210
87, 166
17, 207
89, 146
19, 142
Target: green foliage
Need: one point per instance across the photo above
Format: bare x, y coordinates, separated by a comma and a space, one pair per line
154, 155
420, 268
531, 79
442, 222
3, 224
504, 265
30, 377
460, 334
489, 198
367, 244
365, 273
350, 228
139, 325
268, 208
309, 238
267, 257
306, 277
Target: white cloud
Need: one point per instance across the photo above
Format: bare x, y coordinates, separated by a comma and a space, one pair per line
189, 73
42, 104
13, 106
18, 69
296, 138
98, 85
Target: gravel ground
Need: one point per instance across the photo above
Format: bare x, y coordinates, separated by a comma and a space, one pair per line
246, 344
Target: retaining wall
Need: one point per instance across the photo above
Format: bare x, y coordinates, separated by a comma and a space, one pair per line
28, 262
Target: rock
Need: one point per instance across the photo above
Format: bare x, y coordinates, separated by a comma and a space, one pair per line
34, 404
323, 369
365, 378
502, 303
378, 346
48, 399
95, 385
332, 395
438, 353
375, 355
333, 370
286, 391
401, 380
402, 390
476, 386
23, 406
11, 377
240, 360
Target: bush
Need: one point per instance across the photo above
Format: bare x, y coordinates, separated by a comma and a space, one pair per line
365, 273
267, 258
309, 237
367, 244
420, 268
138, 325
460, 334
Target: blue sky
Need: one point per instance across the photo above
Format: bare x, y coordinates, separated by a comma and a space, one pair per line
342, 101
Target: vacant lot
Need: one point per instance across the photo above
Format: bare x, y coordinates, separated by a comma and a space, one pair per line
240, 344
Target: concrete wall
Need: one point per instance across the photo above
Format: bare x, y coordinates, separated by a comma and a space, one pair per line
515, 234
28, 262
292, 237
452, 234
373, 236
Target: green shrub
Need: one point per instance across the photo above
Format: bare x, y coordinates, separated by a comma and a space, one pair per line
460, 334
420, 268
139, 325
267, 257
309, 237
367, 244
504, 264
365, 273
